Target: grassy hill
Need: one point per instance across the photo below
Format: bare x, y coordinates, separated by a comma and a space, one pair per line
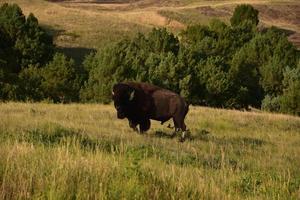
89, 24
82, 151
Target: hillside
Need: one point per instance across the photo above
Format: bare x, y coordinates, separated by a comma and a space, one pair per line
65, 151
89, 24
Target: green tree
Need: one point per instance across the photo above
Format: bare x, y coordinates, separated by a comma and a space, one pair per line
290, 100
30, 88
244, 73
162, 41
243, 13
215, 80
129, 59
60, 79
12, 20
34, 45
24, 42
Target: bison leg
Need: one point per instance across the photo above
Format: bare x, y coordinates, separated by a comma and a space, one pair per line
145, 125
133, 125
179, 126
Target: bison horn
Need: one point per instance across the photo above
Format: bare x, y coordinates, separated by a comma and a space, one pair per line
112, 92
131, 96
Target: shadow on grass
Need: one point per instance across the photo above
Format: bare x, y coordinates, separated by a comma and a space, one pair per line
52, 134
78, 54
162, 134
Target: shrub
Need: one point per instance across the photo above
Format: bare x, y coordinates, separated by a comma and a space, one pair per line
291, 94
243, 13
59, 79
271, 104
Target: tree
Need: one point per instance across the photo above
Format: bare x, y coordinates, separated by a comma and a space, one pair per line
12, 20
244, 73
24, 42
129, 59
243, 13
34, 45
30, 88
290, 99
215, 80
162, 41
59, 79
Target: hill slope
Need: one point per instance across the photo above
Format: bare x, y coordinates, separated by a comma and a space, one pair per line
231, 155
91, 24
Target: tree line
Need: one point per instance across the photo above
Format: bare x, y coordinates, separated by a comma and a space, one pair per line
234, 65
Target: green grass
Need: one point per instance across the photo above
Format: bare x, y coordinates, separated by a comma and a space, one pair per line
79, 151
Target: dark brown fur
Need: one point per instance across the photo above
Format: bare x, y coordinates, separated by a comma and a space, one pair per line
140, 102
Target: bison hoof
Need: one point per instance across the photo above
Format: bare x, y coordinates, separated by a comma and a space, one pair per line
135, 129
183, 136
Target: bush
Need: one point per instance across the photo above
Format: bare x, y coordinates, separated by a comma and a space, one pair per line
244, 13
30, 84
271, 104
60, 79
291, 94
23, 42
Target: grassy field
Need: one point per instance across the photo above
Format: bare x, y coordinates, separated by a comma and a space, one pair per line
80, 151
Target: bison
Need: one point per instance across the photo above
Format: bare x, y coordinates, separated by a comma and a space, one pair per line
140, 102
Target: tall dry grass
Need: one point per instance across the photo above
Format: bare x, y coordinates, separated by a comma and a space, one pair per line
80, 151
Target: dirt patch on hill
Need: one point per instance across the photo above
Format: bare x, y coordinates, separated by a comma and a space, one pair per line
91, 1
212, 12
284, 13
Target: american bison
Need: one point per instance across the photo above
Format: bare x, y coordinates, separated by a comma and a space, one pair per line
140, 102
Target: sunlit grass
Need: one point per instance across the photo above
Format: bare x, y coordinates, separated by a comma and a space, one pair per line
83, 151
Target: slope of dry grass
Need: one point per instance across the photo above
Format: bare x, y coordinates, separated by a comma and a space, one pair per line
92, 24
230, 155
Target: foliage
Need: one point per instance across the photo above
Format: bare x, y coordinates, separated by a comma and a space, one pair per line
23, 42
30, 84
271, 104
60, 81
244, 13
291, 92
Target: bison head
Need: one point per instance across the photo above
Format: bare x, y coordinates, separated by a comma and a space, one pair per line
123, 96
